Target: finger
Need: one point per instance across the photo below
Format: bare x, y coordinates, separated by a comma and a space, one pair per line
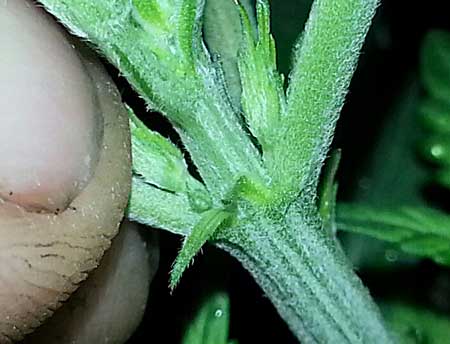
54, 227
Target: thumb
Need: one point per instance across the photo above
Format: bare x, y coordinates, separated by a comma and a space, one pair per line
65, 171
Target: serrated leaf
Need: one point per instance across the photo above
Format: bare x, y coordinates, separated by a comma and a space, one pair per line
416, 325
164, 194
207, 226
262, 98
424, 232
156, 159
388, 182
210, 324
162, 55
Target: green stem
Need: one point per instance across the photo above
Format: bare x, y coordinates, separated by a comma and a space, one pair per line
308, 279
324, 61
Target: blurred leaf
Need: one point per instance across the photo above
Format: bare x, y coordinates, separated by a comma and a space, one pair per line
382, 180
435, 65
328, 192
416, 325
210, 324
424, 232
435, 107
435, 115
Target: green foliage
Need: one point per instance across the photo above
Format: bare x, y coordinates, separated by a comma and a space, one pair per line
435, 107
384, 181
158, 161
416, 325
263, 99
328, 192
204, 230
161, 179
162, 55
211, 322
259, 169
435, 65
161, 209
419, 231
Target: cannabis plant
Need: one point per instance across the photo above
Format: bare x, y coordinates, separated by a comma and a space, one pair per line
247, 172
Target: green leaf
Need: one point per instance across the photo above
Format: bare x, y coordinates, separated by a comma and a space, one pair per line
210, 324
263, 98
424, 232
435, 115
328, 192
157, 46
164, 194
204, 230
435, 107
173, 27
156, 159
416, 325
161, 209
386, 182
435, 65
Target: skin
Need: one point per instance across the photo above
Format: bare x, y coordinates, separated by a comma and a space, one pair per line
65, 176
101, 311
49, 142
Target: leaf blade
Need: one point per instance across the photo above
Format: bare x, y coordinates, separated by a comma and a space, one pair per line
416, 325
419, 231
156, 58
205, 228
211, 321
153, 207
263, 99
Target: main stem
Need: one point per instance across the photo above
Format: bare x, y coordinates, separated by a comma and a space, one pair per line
307, 277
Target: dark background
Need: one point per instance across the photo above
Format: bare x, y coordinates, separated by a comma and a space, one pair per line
377, 132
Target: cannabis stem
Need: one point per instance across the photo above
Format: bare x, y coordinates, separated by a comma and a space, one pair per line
307, 277
260, 188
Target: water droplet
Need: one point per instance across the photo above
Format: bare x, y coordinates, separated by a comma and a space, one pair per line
437, 151
218, 313
391, 256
